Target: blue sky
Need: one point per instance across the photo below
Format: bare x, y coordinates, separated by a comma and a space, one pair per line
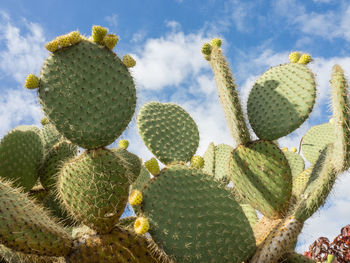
165, 37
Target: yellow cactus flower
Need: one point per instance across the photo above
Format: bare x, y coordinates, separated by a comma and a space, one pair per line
98, 33
216, 42
52, 46
152, 166
285, 149
63, 41
110, 41
197, 162
304, 59
74, 37
141, 225
206, 49
293, 149
135, 197
294, 57
32, 82
123, 144
128, 61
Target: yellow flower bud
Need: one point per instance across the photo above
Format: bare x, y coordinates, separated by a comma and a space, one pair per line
141, 225
128, 61
152, 166
123, 144
32, 82
135, 197
197, 162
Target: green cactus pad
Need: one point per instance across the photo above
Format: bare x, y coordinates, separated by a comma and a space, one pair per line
300, 182
296, 162
21, 153
94, 188
250, 213
222, 157
209, 159
87, 93
341, 115
59, 153
50, 137
322, 178
130, 161
141, 180
316, 139
27, 228
193, 218
168, 131
281, 100
261, 175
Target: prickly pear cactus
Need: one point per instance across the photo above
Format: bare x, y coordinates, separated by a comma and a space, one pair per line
195, 209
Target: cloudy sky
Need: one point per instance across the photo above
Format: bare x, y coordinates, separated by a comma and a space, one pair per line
165, 37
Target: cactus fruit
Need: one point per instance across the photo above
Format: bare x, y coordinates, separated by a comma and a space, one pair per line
32, 82
128, 61
205, 211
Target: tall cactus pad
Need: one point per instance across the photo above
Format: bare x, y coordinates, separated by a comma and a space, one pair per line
261, 175
341, 115
94, 188
209, 159
300, 182
222, 158
21, 153
193, 218
322, 178
168, 131
59, 153
27, 228
296, 162
89, 87
229, 97
316, 139
281, 100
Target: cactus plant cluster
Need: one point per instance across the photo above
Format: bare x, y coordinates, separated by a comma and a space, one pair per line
60, 206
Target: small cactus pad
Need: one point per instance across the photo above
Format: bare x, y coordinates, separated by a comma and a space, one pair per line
94, 188
168, 131
26, 227
222, 158
315, 139
341, 115
21, 153
281, 100
32, 82
296, 162
209, 159
60, 152
261, 175
300, 182
193, 218
88, 87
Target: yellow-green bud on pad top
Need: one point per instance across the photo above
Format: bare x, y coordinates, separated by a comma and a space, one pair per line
206, 49
124, 144
197, 162
216, 42
294, 57
128, 61
32, 82
152, 166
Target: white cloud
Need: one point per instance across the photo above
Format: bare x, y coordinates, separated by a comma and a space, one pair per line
169, 60
24, 52
322, 1
112, 20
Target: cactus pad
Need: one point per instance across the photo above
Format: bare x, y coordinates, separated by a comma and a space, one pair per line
222, 157
315, 139
87, 86
296, 162
209, 159
94, 188
168, 131
261, 175
21, 153
193, 218
281, 100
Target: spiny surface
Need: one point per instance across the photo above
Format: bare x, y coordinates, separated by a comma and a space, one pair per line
21, 153
281, 100
94, 188
193, 218
261, 175
296, 162
168, 131
88, 94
